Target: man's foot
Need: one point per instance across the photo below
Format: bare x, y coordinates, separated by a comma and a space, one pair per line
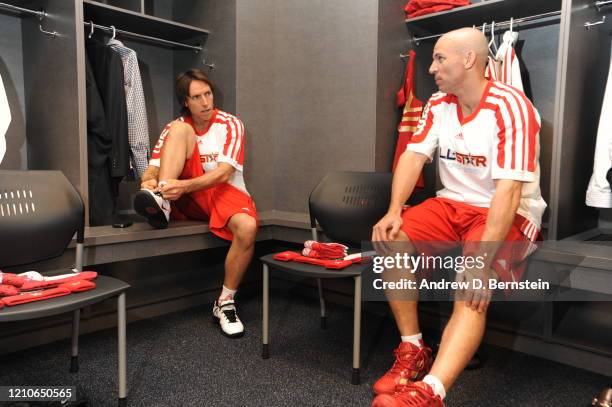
153, 207
225, 313
417, 394
411, 363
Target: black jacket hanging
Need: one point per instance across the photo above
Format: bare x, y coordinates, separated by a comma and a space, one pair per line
108, 72
99, 147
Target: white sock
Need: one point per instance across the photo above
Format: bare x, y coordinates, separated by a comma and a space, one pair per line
414, 339
227, 294
436, 385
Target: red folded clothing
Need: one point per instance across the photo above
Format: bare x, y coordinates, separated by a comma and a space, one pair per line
429, 10
315, 254
79, 286
8, 290
317, 250
415, 8
11, 279
328, 264
31, 296
35, 281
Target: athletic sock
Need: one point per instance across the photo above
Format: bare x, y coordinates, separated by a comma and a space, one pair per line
436, 385
414, 339
227, 294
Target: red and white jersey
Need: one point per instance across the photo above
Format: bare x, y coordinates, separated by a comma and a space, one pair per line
499, 140
222, 142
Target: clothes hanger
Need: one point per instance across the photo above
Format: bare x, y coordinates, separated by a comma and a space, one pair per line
510, 36
492, 44
91, 29
114, 32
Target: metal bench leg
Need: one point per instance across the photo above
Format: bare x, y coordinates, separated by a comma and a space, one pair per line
322, 301
74, 351
355, 379
265, 352
121, 322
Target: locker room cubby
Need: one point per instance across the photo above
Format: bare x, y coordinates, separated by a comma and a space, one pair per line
159, 64
39, 73
538, 46
45, 77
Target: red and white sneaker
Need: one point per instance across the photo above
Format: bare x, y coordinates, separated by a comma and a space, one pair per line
153, 207
411, 363
417, 394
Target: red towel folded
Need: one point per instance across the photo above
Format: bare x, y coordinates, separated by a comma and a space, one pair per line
317, 250
415, 8
8, 290
31, 296
11, 279
35, 281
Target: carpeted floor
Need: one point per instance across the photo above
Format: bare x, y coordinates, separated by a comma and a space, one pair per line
182, 359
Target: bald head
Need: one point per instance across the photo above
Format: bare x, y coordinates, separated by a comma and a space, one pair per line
459, 61
468, 39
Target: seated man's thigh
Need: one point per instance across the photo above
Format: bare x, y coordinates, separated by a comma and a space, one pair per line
225, 203
428, 227
510, 254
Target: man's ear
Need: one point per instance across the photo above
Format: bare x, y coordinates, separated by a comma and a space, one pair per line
469, 59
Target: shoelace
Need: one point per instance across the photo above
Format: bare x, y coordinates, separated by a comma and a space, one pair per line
411, 359
414, 395
230, 314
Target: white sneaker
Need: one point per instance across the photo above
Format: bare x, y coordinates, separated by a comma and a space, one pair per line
153, 207
225, 313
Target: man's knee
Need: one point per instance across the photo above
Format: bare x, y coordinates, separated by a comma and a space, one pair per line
245, 228
183, 134
462, 310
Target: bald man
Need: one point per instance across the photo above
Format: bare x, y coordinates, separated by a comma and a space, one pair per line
487, 138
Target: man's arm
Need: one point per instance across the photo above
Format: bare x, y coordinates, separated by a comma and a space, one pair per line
174, 188
502, 211
406, 174
148, 180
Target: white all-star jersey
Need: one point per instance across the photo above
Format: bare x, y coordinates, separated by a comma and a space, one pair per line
499, 140
222, 142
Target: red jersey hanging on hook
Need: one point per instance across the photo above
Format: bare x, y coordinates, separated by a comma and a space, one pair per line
413, 108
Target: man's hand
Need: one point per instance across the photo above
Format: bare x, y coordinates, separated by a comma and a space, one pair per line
149, 184
477, 299
387, 228
173, 189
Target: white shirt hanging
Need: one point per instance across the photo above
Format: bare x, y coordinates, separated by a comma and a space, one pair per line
599, 194
5, 119
505, 66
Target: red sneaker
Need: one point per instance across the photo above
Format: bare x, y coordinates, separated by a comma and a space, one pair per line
417, 394
411, 363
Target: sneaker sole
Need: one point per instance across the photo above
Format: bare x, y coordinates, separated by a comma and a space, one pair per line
146, 206
233, 336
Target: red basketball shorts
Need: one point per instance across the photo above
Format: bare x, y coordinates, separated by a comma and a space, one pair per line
442, 221
215, 205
